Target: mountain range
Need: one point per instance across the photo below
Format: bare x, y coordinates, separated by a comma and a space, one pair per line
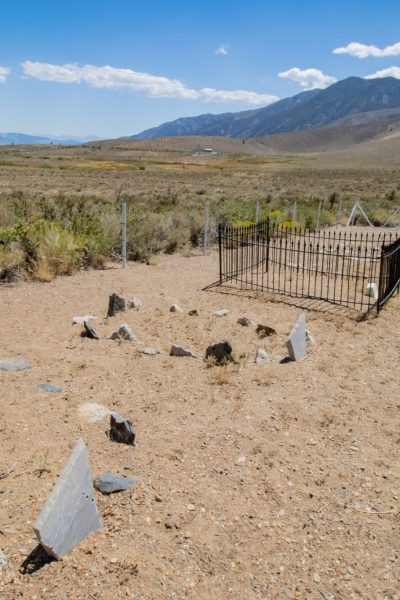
308, 110
24, 138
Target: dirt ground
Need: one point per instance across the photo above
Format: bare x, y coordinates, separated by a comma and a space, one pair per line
256, 481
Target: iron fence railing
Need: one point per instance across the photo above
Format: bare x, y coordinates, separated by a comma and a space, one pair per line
359, 270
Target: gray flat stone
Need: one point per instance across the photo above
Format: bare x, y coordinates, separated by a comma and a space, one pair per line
150, 350
70, 512
49, 387
13, 363
262, 357
80, 320
90, 332
134, 303
179, 351
224, 312
109, 483
297, 340
115, 304
124, 332
121, 430
221, 352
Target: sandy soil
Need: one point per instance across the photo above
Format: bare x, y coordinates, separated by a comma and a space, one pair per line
274, 481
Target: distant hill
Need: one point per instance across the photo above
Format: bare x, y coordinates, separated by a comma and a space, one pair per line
307, 110
24, 138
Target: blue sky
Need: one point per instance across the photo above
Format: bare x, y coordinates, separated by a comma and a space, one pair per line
116, 67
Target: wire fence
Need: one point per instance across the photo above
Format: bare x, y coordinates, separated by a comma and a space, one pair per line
358, 270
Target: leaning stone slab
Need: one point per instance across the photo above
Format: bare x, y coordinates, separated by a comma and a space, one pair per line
179, 351
134, 303
297, 340
109, 483
90, 332
13, 363
221, 313
115, 304
121, 430
70, 512
221, 352
262, 357
49, 387
124, 332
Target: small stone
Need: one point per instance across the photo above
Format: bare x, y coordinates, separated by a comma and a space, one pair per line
169, 524
265, 331
90, 332
109, 483
123, 332
23, 551
193, 313
371, 290
191, 507
244, 321
158, 498
3, 560
262, 357
179, 351
13, 363
93, 412
316, 578
115, 304
221, 352
134, 303
80, 320
175, 308
241, 460
121, 430
354, 448
150, 350
50, 388
221, 313
309, 337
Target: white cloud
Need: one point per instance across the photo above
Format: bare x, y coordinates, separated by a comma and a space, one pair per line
4, 71
363, 51
244, 96
309, 79
135, 81
109, 77
223, 49
389, 72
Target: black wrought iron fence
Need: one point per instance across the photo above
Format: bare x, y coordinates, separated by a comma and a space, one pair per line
358, 270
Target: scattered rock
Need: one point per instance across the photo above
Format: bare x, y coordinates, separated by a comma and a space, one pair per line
3, 560
109, 483
175, 308
70, 512
262, 357
316, 577
81, 320
13, 363
309, 337
89, 331
221, 313
93, 412
49, 387
221, 352
179, 351
191, 507
134, 303
244, 321
193, 313
123, 332
116, 304
371, 290
170, 524
150, 350
241, 460
265, 331
157, 498
297, 343
121, 430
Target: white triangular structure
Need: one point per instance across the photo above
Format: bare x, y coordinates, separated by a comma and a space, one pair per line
70, 512
356, 207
